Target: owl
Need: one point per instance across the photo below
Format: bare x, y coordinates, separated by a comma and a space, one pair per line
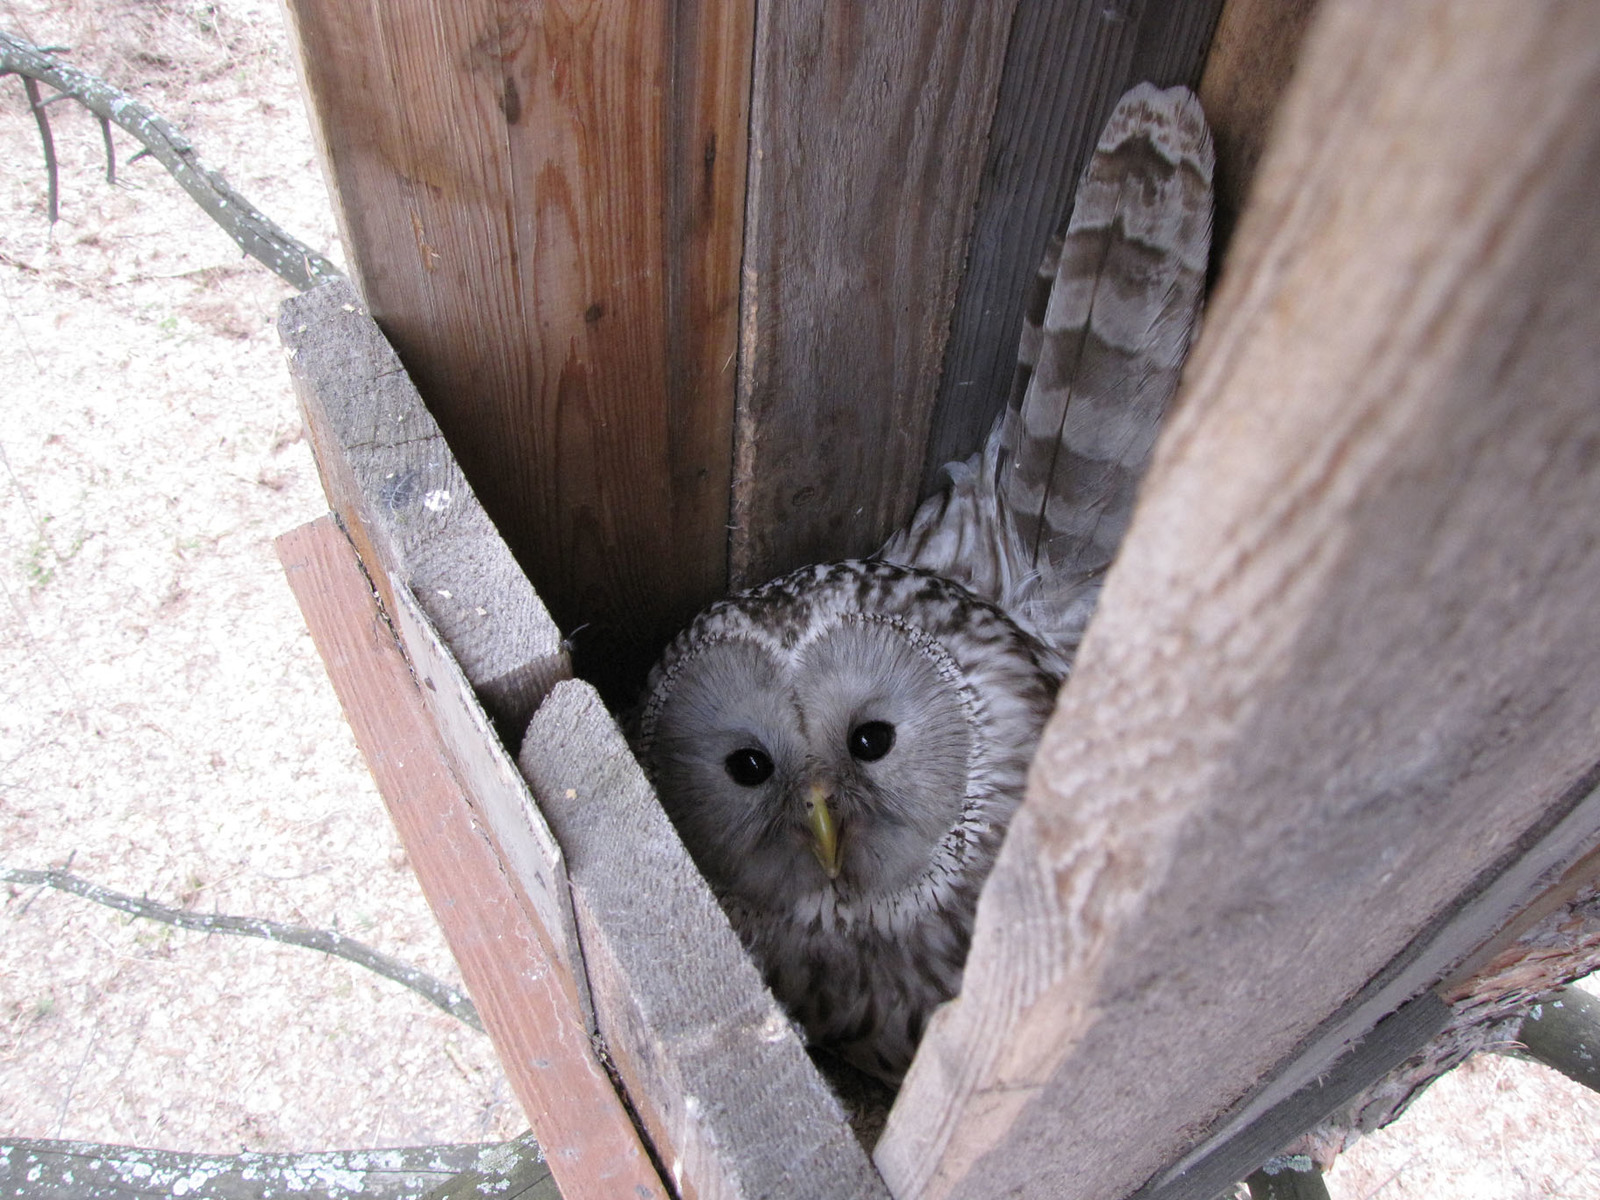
842, 748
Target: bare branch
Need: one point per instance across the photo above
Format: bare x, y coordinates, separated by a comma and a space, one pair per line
451, 1000
257, 236
1563, 1031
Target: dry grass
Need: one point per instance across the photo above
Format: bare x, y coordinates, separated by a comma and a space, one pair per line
164, 722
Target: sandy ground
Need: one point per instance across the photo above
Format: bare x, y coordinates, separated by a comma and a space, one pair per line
165, 724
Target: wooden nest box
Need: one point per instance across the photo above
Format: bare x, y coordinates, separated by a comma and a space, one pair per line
696, 293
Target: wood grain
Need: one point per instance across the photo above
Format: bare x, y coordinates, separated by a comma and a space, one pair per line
868, 126
714, 1068
398, 490
1345, 671
1067, 64
527, 851
542, 206
1253, 56
1340, 1060
443, 574
542, 1040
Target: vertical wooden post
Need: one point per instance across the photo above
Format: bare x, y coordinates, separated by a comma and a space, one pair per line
541, 205
1346, 674
868, 127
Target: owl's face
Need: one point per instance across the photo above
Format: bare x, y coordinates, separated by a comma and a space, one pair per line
850, 727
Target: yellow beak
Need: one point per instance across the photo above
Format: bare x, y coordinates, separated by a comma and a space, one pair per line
824, 834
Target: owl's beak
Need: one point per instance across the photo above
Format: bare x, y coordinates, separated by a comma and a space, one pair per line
824, 833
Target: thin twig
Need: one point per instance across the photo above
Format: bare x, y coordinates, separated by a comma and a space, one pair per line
111, 151
452, 1000
257, 236
51, 169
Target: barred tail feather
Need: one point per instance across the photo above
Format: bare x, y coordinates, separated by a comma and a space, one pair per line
1034, 518
1117, 326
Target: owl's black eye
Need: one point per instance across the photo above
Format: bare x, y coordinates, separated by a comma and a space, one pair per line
748, 767
871, 740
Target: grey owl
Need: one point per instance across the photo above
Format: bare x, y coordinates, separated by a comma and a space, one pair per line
842, 748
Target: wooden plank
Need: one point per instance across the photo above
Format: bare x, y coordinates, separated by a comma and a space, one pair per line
1067, 64
1340, 1058
714, 1068
438, 564
541, 205
43, 1169
868, 126
528, 852
538, 1031
1253, 55
1383, 1048
1346, 667
399, 491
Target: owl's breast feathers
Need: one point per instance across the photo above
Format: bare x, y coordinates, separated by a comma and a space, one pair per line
863, 974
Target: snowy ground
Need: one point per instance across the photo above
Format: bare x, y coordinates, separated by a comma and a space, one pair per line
165, 724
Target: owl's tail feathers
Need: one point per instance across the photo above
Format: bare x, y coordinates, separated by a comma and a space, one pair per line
959, 533
1032, 520
963, 535
1100, 362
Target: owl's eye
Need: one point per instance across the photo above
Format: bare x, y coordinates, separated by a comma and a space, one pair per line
748, 767
871, 740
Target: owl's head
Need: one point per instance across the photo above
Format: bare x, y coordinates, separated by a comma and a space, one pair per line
854, 727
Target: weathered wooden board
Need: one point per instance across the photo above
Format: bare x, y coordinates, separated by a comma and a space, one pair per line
527, 850
867, 132
1067, 64
1341, 1059
526, 1004
398, 489
541, 203
1253, 55
438, 564
1345, 671
43, 1169
715, 1070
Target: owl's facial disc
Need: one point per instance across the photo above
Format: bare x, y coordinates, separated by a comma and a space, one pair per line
838, 762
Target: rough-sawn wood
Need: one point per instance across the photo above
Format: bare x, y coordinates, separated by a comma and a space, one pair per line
461, 603
867, 135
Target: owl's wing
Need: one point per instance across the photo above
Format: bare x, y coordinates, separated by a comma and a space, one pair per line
1034, 518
